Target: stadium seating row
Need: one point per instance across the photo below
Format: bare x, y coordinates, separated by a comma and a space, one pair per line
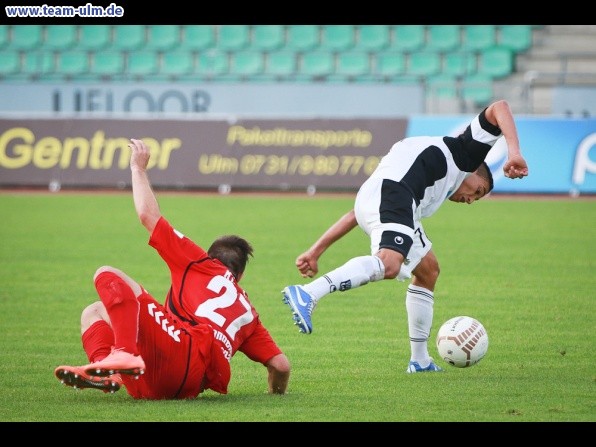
450, 60
282, 65
339, 38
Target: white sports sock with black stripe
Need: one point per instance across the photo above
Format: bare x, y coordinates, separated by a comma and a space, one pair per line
419, 305
354, 273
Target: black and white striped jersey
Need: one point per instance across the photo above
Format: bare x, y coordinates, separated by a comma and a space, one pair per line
432, 168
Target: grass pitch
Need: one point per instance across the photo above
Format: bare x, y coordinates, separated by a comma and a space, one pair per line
523, 267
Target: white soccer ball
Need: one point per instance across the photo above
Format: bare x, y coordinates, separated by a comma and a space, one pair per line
462, 341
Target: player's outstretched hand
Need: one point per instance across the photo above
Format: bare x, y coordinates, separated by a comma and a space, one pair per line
139, 158
515, 167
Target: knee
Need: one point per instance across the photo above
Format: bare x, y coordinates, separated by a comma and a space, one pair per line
123, 278
93, 313
104, 269
392, 262
432, 271
392, 271
427, 274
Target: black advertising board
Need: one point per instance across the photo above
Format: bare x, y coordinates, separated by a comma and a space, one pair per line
329, 154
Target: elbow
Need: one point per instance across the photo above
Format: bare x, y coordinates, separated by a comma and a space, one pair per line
279, 374
351, 216
144, 218
280, 365
148, 220
502, 106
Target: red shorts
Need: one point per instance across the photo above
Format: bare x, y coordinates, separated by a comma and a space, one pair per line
177, 355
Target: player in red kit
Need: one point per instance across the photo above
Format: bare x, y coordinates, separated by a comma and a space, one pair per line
180, 349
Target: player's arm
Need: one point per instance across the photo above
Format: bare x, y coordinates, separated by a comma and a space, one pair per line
307, 261
260, 347
144, 199
499, 114
278, 374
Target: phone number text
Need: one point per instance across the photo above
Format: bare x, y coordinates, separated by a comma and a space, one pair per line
349, 165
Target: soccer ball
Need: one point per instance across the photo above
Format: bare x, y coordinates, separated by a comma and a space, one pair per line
462, 341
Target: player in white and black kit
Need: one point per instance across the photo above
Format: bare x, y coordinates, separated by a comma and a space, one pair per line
411, 182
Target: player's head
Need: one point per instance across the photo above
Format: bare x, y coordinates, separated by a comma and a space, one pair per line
484, 172
233, 251
475, 186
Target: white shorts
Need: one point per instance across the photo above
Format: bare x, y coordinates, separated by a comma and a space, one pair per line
402, 222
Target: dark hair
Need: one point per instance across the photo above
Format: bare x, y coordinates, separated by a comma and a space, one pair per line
484, 172
233, 251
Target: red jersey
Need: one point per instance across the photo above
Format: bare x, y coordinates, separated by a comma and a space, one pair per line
204, 291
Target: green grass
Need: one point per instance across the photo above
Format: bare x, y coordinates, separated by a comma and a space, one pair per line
524, 268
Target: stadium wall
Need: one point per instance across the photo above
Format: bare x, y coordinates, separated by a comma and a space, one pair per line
273, 100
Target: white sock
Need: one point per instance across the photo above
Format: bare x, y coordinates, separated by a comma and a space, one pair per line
354, 273
419, 305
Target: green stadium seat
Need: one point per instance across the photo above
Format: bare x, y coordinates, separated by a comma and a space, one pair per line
107, 64
459, 63
389, 64
247, 63
3, 36
443, 38
408, 38
233, 37
72, 63
281, 64
442, 86
142, 63
316, 64
129, 37
303, 37
373, 38
60, 37
94, 37
176, 63
212, 64
26, 37
496, 62
10, 62
337, 37
517, 38
351, 64
424, 63
478, 37
197, 37
38, 64
477, 89
162, 37
268, 37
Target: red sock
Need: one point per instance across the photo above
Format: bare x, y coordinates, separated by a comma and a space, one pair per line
98, 341
123, 309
